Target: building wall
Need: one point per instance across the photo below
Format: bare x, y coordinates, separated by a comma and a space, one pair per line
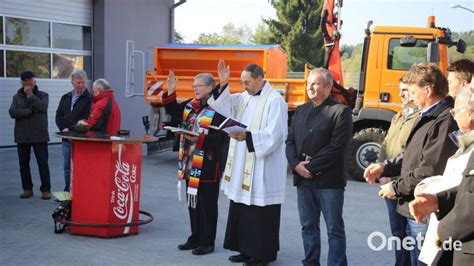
146, 22
113, 22
77, 12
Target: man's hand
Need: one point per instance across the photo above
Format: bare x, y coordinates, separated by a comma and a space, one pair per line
224, 73
437, 240
386, 191
384, 180
191, 138
302, 171
422, 206
65, 130
82, 122
172, 83
28, 90
372, 172
239, 136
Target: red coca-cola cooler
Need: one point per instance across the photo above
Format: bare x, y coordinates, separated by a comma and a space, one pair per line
105, 184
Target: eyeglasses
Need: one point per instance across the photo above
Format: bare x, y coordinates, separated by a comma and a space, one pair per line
245, 83
199, 85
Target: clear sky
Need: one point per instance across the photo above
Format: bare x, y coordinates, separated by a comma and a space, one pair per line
196, 16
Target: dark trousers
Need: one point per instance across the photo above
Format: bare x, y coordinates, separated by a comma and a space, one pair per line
398, 227
204, 217
254, 230
67, 164
311, 203
41, 154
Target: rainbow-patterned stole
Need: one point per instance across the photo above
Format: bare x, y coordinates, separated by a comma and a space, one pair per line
198, 154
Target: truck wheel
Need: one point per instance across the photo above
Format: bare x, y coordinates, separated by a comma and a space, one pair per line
364, 149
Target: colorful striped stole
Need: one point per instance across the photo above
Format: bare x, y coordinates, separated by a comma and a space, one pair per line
198, 153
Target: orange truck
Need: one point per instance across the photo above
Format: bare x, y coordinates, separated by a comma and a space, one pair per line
388, 52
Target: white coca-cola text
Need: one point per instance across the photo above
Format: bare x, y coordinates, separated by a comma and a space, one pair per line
123, 179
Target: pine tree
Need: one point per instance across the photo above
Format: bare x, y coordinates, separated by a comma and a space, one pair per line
296, 29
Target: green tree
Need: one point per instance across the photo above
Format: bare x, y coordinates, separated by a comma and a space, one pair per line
351, 56
241, 34
262, 34
230, 34
468, 37
296, 29
178, 37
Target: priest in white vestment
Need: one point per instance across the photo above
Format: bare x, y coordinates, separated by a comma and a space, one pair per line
256, 169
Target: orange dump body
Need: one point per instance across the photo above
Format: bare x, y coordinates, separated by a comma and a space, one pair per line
188, 60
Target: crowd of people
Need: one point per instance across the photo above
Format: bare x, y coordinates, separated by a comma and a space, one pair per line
425, 165
29, 109
420, 159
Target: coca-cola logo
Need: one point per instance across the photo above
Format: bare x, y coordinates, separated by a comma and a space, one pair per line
124, 177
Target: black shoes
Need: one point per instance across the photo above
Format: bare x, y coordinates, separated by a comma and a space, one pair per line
248, 261
203, 250
197, 250
239, 258
254, 262
188, 246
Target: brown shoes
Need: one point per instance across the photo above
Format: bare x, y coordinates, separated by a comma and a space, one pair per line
46, 195
26, 194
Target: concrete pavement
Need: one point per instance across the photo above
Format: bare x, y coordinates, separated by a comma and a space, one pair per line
27, 238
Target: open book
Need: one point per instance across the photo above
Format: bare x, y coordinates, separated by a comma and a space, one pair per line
435, 184
181, 131
230, 125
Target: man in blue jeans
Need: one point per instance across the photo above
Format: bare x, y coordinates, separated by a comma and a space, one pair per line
73, 106
320, 131
393, 145
427, 149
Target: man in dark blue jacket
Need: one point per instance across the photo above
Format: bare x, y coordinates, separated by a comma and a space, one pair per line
74, 106
428, 146
320, 131
29, 108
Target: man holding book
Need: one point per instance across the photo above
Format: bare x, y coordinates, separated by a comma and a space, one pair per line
255, 172
201, 150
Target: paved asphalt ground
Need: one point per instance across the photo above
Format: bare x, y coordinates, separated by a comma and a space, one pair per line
27, 238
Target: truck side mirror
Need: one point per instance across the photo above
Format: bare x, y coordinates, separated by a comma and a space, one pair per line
432, 53
461, 46
408, 41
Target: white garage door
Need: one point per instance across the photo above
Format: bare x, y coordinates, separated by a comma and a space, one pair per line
50, 38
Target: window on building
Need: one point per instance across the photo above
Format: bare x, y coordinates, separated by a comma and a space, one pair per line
68, 36
18, 61
27, 32
1, 31
402, 58
64, 65
1, 64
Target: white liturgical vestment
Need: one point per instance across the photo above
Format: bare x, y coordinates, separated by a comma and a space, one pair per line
269, 173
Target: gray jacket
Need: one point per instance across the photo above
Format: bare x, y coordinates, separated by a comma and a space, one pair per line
31, 116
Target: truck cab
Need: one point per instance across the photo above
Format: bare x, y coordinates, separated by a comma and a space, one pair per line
388, 53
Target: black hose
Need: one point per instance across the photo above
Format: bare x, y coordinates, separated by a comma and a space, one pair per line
137, 223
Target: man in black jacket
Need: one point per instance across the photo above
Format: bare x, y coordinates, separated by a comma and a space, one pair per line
29, 108
320, 131
454, 209
428, 146
74, 106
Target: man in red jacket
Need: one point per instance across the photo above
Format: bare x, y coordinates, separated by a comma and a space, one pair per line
105, 113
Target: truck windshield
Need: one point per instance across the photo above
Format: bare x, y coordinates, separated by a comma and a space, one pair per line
402, 58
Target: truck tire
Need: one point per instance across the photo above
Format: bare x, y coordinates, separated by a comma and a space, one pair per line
364, 149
